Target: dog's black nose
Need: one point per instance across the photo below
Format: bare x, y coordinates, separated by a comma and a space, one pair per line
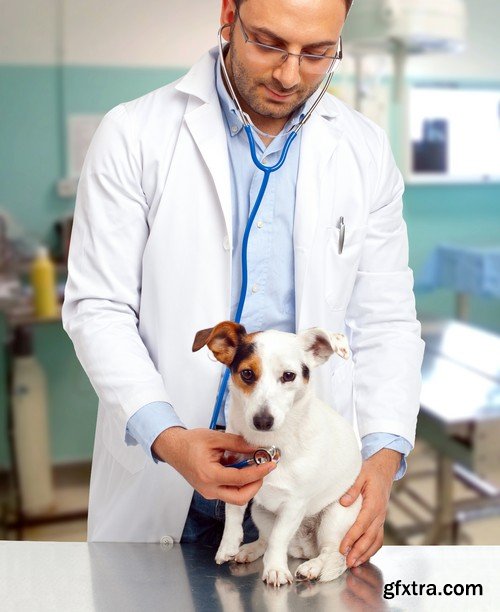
263, 421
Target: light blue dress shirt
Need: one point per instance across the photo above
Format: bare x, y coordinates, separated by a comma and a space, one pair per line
270, 298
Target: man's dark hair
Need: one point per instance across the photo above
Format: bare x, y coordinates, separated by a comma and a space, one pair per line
347, 4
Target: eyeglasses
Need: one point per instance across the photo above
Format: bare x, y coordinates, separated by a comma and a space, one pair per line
310, 63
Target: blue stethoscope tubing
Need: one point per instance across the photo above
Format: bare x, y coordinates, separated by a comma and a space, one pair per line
267, 170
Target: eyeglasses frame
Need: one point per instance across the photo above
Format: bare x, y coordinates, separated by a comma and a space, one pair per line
335, 58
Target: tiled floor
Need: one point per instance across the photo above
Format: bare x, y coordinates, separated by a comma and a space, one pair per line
72, 494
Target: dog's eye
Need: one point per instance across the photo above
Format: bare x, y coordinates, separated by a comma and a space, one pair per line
287, 377
247, 375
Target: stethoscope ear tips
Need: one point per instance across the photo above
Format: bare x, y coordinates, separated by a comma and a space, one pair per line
222, 28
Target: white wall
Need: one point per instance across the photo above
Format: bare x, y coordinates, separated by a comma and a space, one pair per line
28, 31
128, 33
140, 32
176, 32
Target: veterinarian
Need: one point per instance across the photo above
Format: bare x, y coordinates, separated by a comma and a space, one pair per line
155, 256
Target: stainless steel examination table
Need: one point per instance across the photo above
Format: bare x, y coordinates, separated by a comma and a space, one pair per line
121, 577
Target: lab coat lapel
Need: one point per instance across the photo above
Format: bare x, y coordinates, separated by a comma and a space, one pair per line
320, 138
207, 130
205, 122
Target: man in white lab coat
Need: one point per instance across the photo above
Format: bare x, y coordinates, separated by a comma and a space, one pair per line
154, 257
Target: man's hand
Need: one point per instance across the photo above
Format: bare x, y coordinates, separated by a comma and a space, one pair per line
197, 455
366, 536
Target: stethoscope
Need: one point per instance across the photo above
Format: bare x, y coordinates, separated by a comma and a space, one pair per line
260, 456
267, 170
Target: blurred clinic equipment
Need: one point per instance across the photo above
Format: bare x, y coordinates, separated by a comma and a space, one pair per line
29, 296
43, 281
402, 28
460, 420
466, 270
30, 427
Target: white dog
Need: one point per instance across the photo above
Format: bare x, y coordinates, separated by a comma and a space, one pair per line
296, 510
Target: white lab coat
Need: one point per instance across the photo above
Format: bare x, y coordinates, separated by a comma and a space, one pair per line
150, 265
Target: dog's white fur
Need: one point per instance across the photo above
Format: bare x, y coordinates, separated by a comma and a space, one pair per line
296, 510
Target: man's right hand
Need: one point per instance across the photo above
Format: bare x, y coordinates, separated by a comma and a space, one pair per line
197, 455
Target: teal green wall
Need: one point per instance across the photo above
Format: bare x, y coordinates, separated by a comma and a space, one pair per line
30, 155
32, 159
33, 142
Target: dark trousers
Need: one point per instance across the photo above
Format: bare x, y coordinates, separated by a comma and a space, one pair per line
205, 522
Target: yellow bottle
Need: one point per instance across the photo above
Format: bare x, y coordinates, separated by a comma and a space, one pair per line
43, 281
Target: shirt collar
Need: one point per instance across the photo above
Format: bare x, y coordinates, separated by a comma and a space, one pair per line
230, 111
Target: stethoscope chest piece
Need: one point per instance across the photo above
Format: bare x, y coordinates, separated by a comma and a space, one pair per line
264, 455
261, 455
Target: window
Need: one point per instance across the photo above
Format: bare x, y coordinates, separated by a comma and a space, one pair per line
454, 134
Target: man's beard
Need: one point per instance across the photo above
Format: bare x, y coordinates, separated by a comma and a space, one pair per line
250, 91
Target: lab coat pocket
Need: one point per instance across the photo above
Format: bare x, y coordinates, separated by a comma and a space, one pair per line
341, 268
132, 458
342, 390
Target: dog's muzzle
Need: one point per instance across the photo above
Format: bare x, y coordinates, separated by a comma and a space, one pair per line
263, 420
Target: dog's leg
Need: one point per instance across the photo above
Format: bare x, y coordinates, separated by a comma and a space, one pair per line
233, 533
330, 563
264, 521
287, 522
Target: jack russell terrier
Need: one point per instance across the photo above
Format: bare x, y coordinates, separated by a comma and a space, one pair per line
297, 509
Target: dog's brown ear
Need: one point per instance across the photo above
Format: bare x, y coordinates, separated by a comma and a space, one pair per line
222, 340
320, 345
201, 338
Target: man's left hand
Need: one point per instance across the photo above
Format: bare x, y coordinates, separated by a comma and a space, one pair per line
366, 536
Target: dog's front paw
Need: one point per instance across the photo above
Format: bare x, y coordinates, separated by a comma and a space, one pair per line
309, 570
277, 577
249, 552
323, 568
226, 552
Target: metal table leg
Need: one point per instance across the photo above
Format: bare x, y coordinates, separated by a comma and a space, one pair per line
441, 531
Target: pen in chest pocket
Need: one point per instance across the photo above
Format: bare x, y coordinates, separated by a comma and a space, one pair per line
341, 234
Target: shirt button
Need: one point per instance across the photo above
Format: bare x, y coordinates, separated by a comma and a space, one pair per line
234, 129
167, 541
255, 288
260, 224
226, 244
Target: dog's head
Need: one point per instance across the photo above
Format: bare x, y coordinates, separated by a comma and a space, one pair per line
270, 370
